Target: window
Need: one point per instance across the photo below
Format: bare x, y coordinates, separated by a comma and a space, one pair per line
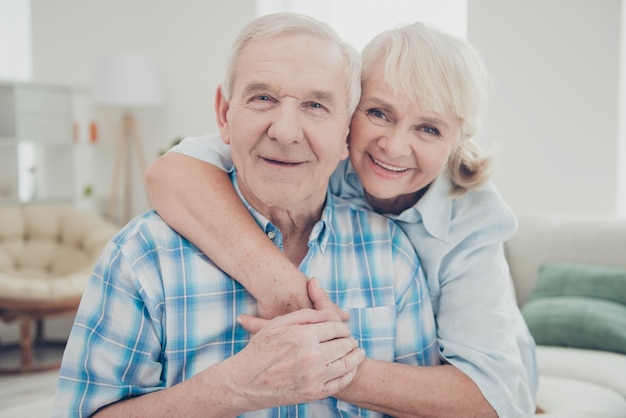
358, 21
15, 40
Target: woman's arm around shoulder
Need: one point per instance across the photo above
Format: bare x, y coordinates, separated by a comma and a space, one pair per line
197, 200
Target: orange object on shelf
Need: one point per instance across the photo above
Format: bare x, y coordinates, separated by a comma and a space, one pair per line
93, 132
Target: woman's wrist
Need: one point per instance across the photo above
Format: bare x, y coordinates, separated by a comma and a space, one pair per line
282, 291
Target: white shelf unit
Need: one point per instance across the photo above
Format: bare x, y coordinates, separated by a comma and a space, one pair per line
93, 165
35, 143
45, 155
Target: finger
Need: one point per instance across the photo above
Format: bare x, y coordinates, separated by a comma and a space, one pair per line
305, 316
253, 324
332, 387
321, 301
345, 364
330, 330
320, 324
334, 351
250, 323
342, 371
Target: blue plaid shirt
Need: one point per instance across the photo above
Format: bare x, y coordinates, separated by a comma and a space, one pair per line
156, 311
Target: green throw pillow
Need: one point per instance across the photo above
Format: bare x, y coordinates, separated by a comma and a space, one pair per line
576, 305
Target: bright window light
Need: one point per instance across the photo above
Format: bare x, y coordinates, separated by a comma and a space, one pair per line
358, 21
15, 40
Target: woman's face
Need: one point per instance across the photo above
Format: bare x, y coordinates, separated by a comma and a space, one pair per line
396, 147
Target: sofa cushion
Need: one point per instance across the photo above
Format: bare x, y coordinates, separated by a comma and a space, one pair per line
600, 367
579, 306
577, 322
569, 398
47, 252
575, 279
548, 237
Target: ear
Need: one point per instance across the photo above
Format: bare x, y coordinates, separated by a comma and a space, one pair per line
221, 114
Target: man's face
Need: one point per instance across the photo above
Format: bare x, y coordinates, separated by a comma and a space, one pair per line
287, 121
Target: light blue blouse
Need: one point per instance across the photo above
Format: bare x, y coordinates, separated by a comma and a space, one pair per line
480, 329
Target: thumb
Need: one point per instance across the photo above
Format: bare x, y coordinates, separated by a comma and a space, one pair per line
319, 298
250, 323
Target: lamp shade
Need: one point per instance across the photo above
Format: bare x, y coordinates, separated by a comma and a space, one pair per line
127, 80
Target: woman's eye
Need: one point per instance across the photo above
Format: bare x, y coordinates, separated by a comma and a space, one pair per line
430, 130
375, 113
262, 98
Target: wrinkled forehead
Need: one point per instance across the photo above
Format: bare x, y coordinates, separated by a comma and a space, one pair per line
288, 61
301, 49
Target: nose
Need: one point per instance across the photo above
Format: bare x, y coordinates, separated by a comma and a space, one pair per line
395, 142
286, 125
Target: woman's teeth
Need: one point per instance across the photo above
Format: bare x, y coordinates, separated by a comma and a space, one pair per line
388, 167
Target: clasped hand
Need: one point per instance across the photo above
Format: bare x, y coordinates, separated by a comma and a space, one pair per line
298, 357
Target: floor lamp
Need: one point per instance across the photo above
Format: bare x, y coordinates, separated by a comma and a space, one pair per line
127, 81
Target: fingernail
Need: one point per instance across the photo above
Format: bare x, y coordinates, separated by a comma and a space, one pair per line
315, 282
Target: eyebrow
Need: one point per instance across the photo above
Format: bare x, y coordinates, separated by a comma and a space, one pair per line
324, 96
255, 88
435, 121
378, 102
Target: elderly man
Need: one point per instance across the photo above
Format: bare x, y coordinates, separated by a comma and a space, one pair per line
158, 333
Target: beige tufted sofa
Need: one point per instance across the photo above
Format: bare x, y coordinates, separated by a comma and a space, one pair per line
47, 253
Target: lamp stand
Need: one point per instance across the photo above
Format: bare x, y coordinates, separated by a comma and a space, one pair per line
128, 136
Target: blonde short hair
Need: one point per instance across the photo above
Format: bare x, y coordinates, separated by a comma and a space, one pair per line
443, 74
291, 23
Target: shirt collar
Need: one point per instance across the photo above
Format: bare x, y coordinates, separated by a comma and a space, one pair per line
434, 209
319, 234
351, 175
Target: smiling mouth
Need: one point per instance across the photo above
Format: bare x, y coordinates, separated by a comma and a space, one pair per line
282, 163
387, 166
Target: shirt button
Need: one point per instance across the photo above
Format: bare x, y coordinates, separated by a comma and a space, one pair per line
271, 235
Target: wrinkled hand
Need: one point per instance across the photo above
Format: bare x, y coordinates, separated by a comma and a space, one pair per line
299, 357
293, 295
318, 297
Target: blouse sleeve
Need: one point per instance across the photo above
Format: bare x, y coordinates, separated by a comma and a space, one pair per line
208, 148
480, 328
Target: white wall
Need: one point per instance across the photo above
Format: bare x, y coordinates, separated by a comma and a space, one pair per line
621, 112
15, 40
554, 115
189, 40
